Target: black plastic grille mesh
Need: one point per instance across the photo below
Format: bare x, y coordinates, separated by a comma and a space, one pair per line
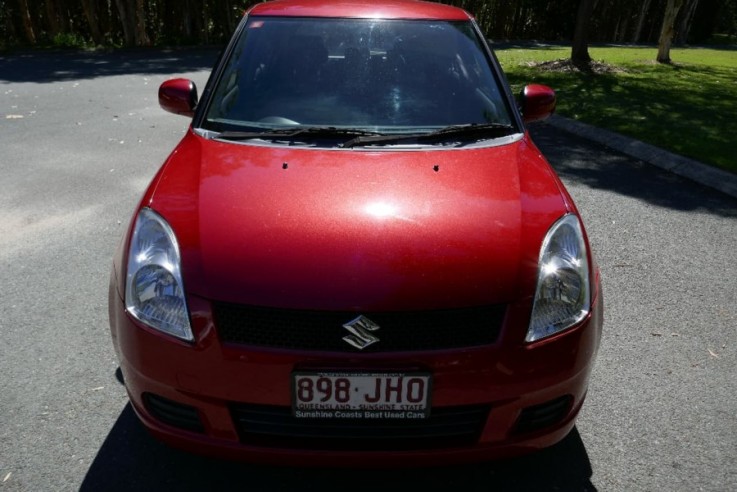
323, 330
273, 426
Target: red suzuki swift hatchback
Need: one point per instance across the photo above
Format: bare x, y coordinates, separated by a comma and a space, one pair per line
356, 255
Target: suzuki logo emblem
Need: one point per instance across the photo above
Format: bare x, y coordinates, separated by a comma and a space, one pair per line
360, 329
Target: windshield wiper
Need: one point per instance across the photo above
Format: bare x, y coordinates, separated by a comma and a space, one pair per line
475, 131
310, 131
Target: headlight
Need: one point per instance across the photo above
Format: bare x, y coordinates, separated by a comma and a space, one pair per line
562, 296
154, 292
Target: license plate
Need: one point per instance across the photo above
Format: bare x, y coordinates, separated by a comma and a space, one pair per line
333, 395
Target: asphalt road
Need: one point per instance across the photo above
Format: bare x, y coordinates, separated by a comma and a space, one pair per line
80, 137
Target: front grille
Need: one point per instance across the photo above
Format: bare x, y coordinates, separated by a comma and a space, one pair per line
323, 330
272, 426
544, 415
173, 413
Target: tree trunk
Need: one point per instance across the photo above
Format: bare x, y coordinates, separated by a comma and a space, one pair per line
518, 22
199, 20
93, 20
580, 49
500, 21
127, 22
27, 21
622, 36
205, 23
65, 20
641, 21
105, 18
229, 18
10, 29
52, 16
686, 21
668, 29
140, 16
187, 22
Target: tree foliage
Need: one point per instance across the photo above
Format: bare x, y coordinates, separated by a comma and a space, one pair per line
119, 22
173, 22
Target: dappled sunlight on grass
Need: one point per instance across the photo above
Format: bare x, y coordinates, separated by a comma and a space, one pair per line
687, 107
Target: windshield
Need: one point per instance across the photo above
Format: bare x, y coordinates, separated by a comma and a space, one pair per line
379, 76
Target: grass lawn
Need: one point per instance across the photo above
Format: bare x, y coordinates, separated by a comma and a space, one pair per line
689, 107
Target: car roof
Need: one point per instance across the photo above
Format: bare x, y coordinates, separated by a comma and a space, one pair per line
382, 9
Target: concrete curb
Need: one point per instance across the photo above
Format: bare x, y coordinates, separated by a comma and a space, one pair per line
677, 164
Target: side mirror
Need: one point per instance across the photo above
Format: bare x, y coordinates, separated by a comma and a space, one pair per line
537, 102
178, 96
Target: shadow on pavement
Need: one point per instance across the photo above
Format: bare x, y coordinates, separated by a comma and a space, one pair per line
50, 66
130, 459
579, 161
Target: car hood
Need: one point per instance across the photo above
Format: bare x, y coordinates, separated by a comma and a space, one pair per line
312, 228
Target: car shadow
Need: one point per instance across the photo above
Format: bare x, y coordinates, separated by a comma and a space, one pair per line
130, 459
61, 66
580, 161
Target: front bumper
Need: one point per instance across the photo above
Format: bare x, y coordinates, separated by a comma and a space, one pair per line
210, 378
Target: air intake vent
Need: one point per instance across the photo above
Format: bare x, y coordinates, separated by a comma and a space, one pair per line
272, 426
544, 415
173, 413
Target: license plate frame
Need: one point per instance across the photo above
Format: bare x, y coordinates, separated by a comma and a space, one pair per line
364, 395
